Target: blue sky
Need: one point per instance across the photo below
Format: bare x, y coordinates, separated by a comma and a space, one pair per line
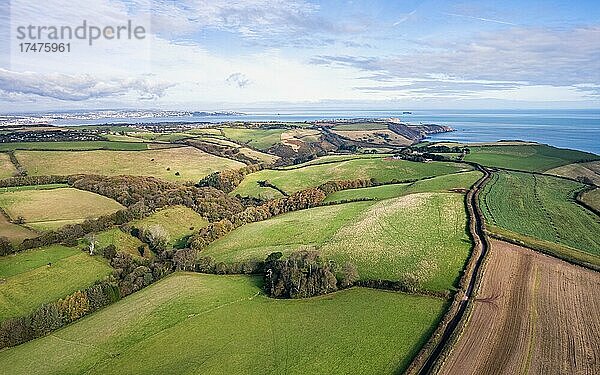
259, 54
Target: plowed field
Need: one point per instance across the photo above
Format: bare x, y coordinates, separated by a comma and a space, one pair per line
534, 314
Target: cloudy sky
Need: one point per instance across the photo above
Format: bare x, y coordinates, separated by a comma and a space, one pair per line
259, 54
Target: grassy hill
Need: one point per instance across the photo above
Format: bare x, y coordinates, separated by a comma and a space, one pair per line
191, 163
419, 235
179, 222
49, 209
463, 180
526, 157
541, 207
381, 169
261, 139
28, 281
193, 323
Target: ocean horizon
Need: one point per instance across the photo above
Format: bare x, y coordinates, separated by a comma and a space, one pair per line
574, 129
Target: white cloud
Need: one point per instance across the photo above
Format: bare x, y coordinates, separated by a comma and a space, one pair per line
75, 87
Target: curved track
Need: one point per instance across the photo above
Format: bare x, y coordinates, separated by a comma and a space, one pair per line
480, 249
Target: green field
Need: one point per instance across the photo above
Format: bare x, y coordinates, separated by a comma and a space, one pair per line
362, 126
542, 207
53, 208
180, 222
261, 139
29, 282
526, 157
7, 168
124, 242
443, 183
193, 323
418, 235
75, 145
335, 158
160, 137
191, 163
382, 170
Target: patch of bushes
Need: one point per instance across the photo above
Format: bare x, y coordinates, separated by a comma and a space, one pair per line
305, 274
300, 200
228, 180
211, 203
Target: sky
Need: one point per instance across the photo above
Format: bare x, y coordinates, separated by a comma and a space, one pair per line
282, 54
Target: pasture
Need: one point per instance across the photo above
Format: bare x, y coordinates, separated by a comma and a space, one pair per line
14, 232
590, 170
592, 198
75, 146
124, 242
526, 157
444, 183
380, 169
179, 222
194, 323
7, 168
418, 236
361, 126
191, 163
541, 207
53, 208
258, 138
28, 280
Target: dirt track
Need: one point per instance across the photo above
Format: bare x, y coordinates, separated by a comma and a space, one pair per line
534, 314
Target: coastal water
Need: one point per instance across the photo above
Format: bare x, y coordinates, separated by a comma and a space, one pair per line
576, 129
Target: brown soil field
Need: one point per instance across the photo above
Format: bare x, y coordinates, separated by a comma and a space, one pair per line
534, 314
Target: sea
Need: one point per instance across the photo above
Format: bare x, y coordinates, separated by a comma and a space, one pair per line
575, 129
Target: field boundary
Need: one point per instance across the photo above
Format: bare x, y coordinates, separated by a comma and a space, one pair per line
580, 201
547, 251
440, 343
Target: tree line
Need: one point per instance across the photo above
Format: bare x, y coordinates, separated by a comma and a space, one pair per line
229, 179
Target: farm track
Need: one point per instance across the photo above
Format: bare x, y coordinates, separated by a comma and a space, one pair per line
535, 314
443, 338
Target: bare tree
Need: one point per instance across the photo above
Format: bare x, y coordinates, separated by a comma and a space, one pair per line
157, 237
92, 242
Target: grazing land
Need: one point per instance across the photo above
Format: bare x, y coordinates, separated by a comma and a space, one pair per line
53, 208
191, 163
380, 169
362, 126
7, 168
592, 198
190, 323
261, 139
179, 222
444, 183
526, 157
335, 158
541, 207
590, 170
74, 146
124, 242
14, 232
28, 280
534, 314
418, 236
